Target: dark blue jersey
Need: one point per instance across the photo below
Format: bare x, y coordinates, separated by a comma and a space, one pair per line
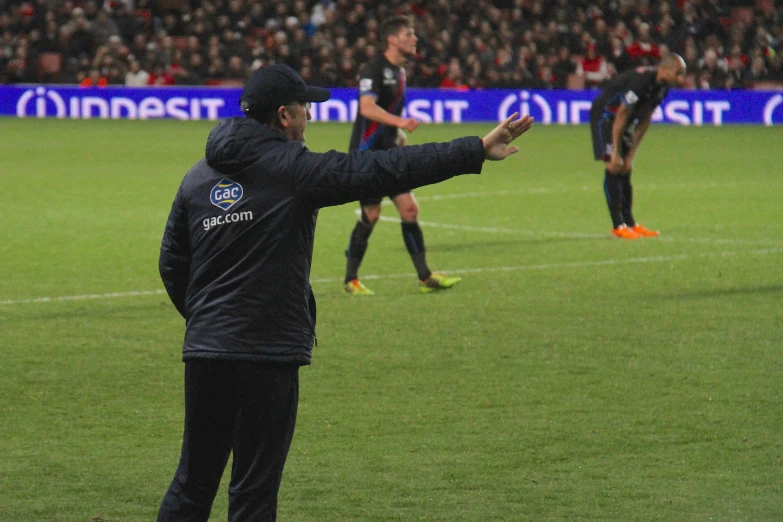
386, 82
635, 88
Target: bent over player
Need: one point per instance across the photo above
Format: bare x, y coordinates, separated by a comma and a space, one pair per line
379, 125
619, 118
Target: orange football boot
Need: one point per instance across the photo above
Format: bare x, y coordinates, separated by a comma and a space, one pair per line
644, 231
623, 232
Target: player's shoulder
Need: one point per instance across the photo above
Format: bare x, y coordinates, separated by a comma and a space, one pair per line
373, 65
645, 74
636, 73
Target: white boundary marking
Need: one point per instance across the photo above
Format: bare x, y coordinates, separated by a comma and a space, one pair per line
112, 295
496, 230
573, 264
551, 190
489, 269
577, 235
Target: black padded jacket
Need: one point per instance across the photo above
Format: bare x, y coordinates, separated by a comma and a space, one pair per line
236, 252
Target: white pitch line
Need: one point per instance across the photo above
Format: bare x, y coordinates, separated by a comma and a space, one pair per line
542, 266
552, 190
573, 264
112, 295
498, 230
577, 235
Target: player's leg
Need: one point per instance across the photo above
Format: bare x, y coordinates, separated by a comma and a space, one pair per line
601, 129
206, 443
628, 209
413, 237
627, 196
357, 246
268, 396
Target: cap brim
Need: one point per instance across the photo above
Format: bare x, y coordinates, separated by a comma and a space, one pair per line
317, 94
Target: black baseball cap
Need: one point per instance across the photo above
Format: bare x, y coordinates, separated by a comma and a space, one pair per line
275, 85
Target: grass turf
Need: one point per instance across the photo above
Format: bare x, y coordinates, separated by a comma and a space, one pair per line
570, 376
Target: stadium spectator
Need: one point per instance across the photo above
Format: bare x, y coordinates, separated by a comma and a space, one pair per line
216, 69
50, 39
104, 27
545, 79
136, 76
643, 51
193, 73
236, 68
664, 32
713, 72
160, 76
94, 79
563, 67
594, 67
775, 70
757, 72
619, 57
19, 66
81, 41
601, 37
454, 78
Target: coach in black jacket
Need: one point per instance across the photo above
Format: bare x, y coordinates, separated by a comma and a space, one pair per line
235, 260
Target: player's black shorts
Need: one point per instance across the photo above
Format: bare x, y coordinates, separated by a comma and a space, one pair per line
374, 202
601, 127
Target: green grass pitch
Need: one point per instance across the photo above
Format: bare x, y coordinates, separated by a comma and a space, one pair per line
570, 376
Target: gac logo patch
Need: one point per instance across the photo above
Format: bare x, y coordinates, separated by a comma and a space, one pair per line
365, 85
225, 194
630, 98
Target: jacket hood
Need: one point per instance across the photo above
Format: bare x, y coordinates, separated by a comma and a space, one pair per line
238, 142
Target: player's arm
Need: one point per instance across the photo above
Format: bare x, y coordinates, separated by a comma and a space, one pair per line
641, 129
371, 110
335, 178
618, 128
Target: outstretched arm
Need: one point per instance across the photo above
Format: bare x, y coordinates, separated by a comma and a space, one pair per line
334, 178
496, 143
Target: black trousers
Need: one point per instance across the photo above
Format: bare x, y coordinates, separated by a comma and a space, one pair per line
245, 407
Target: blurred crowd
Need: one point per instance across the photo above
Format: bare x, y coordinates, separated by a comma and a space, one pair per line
462, 43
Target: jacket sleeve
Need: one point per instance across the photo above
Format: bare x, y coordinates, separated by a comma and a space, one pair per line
334, 178
175, 259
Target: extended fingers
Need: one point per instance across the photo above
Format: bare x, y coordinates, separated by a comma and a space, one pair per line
509, 121
521, 126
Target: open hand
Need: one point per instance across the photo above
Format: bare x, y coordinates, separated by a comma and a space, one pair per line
497, 142
615, 165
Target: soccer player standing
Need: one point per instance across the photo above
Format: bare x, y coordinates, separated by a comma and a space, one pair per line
379, 125
619, 118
